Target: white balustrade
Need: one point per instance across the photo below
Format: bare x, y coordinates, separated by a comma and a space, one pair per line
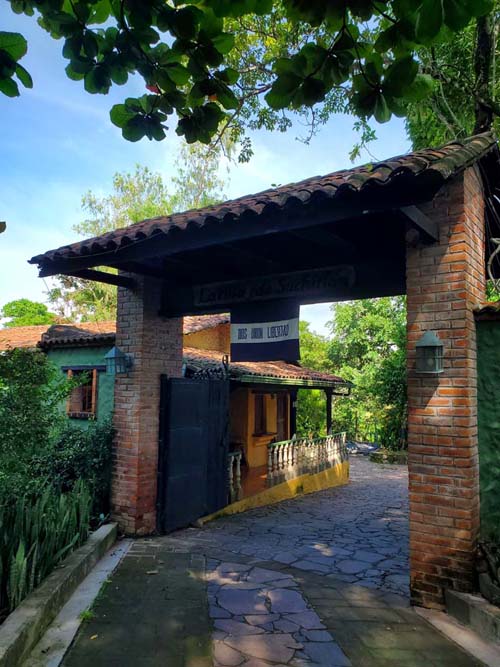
291, 458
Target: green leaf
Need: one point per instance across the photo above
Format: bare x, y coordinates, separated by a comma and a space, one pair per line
134, 129
97, 80
456, 14
100, 11
283, 90
24, 77
90, 45
72, 47
228, 75
119, 75
120, 115
429, 21
381, 109
177, 73
184, 22
223, 42
310, 92
399, 76
14, 43
480, 7
422, 86
9, 87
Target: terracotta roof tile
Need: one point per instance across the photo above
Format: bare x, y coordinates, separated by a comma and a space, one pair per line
205, 359
21, 336
430, 165
88, 333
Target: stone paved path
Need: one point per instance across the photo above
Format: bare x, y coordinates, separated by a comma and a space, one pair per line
311, 582
319, 581
359, 532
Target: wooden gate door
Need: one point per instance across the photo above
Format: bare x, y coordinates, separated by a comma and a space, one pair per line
193, 448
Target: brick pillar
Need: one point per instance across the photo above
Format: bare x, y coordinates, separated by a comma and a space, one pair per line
155, 345
444, 282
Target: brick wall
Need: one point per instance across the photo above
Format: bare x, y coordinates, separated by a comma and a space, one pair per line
444, 282
156, 347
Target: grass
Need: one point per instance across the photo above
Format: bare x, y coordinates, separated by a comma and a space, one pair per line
86, 615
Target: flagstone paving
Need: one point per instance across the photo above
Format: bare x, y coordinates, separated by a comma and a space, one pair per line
358, 532
311, 582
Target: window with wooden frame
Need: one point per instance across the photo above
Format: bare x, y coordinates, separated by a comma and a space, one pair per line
82, 402
260, 421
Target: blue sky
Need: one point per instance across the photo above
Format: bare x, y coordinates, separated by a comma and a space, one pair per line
58, 142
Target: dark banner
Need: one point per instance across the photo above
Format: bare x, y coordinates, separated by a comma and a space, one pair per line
265, 331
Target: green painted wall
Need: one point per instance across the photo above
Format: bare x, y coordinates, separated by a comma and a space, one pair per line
88, 356
488, 366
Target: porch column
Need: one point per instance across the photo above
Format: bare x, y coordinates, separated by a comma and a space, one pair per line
445, 281
155, 345
328, 393
293, 413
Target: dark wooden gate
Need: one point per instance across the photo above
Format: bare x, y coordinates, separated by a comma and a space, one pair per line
193, 448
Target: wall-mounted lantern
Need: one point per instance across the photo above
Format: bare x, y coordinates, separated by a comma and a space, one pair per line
429, 351
117, 362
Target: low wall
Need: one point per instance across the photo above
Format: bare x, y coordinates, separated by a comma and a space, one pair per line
337, 475
27, 623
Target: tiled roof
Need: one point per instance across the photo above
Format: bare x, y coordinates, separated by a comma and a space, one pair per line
194, 323
21, 336
88, 333
430, 167
205, 359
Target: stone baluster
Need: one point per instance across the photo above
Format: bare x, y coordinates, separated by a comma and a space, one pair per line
237, 477
270, 478
276, 464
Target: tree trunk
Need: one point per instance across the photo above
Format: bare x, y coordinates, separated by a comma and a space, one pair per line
483, 58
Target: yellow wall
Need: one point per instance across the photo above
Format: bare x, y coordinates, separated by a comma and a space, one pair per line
216, 338
242, 421
338, 475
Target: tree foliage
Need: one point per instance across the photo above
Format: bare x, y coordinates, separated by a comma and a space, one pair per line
23, 312
206, 63
368, 348
135, 197
311, 403
31, 391
451, 111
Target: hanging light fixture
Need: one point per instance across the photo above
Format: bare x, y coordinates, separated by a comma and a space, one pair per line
117, 362
429, 351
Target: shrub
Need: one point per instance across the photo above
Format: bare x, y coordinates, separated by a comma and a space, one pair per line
79, 454
30, 395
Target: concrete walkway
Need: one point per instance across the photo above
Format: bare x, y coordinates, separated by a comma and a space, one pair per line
311, 582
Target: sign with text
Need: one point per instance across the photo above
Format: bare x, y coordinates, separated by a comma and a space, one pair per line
297, 285
265, 332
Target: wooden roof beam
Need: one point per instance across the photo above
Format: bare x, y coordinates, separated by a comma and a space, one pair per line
417, 221
103, 277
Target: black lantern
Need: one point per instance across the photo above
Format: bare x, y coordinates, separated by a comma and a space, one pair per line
429, 351
117, 362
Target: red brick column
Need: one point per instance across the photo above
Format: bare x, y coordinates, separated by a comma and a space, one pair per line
155, 345
444, 282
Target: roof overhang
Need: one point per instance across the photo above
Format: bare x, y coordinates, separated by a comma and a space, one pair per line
361, 217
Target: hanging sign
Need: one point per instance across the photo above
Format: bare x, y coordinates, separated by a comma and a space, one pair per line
265, 332
299, 285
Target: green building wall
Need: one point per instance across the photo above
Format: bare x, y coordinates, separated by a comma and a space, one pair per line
488, 367
91, 357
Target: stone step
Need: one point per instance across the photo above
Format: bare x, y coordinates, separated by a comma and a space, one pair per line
475, 612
